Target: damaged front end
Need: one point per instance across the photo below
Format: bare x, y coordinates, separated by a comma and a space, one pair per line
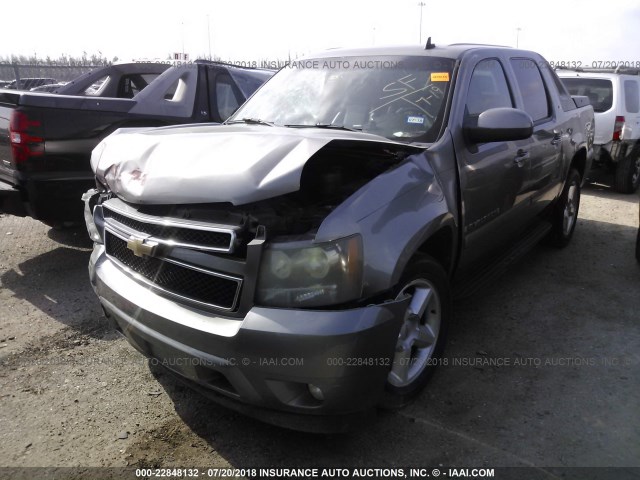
256, 252
243, 303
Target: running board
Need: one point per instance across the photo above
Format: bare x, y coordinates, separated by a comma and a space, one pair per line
478, 278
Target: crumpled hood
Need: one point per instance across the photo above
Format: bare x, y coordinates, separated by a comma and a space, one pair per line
212, 163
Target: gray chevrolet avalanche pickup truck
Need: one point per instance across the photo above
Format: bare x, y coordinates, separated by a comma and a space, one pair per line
296, 263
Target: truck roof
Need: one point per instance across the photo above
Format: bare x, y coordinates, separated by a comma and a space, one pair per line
453, 51
598, 73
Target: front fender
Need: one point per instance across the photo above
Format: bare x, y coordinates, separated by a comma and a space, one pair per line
395, 214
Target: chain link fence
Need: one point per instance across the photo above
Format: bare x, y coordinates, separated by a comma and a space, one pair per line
61, 73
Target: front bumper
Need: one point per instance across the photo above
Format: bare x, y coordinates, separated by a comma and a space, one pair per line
263, 364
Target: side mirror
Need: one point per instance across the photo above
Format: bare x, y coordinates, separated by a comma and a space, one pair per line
500, 125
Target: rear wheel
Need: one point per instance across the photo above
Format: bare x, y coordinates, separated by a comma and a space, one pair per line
422, 335
564, 215
627, 176
638, 247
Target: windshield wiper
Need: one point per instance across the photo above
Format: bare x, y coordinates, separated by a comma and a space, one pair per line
251, 121
331, 126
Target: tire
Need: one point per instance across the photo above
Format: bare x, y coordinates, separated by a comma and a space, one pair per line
564, 215
422, 336
638, 246
627, 176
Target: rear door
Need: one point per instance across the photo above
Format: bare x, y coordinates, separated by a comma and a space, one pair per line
545, 147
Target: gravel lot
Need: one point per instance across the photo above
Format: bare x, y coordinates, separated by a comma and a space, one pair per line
563, 325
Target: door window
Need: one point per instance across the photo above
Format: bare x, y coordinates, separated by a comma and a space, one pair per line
631, 96
488, 88
599, 91
532, 89
225, 97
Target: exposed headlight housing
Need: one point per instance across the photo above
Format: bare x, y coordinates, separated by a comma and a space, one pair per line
300, 274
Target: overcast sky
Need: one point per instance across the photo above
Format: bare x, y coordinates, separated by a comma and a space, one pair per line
569, 30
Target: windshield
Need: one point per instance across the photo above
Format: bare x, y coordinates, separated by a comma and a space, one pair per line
599, 91
400, 98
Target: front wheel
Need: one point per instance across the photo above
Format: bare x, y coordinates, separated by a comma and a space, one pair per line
564, 215
422, 336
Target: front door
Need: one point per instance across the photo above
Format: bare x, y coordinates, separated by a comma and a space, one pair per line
493, 175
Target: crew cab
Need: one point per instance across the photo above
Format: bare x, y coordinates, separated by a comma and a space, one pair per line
297, 263
46, 139
615, 96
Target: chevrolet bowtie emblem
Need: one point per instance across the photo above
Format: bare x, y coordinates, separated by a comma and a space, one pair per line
141, 247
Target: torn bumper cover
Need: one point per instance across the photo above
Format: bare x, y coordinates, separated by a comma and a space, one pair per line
312, 370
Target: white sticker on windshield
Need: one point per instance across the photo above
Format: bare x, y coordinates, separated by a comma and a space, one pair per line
415, 120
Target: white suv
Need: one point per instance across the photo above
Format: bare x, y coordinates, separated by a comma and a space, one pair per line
615, 96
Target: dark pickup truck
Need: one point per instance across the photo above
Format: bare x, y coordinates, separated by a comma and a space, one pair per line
123, 80
297, 265
46, 139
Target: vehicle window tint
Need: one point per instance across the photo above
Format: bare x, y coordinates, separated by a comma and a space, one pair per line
488, 88
96, 86
248, 81
631, 96
129, 88
599, 91
566, 102
532, 89
149, 77
131, 85
225, 97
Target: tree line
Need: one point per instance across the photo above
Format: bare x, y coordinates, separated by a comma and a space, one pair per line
61, 60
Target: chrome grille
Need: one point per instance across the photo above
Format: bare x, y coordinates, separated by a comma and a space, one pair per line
185, 281
172, 232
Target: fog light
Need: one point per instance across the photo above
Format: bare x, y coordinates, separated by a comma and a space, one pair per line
316, 392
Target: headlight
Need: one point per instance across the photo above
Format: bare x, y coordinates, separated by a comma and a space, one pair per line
93, 215
301, 275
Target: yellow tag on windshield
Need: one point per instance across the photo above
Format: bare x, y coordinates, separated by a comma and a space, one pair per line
440, 77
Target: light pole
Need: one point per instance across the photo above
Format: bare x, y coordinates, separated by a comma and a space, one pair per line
209, 33
421, 5
182, 26
518, 37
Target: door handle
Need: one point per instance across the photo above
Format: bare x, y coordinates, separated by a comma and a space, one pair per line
557, 138
521, 156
